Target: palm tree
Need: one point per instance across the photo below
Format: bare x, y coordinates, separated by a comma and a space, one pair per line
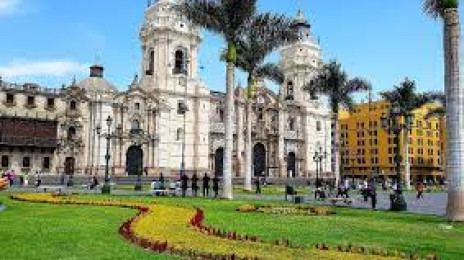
252, 49
226, 18
439, 111
448, 11
334, 82
406, 99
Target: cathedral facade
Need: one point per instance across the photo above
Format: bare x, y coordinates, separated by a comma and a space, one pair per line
168, 120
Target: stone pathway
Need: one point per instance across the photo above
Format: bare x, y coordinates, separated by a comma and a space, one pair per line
431, 204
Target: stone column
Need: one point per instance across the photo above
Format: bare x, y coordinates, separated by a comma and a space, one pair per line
240, 144
281, 145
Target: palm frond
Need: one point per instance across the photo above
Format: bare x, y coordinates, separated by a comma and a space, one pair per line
436, 8
333, 82
223, 17
272, 72
205, 14
433, 8
357, 85
436, 112
405, 97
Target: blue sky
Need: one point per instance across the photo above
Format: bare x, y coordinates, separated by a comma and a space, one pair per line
50, 41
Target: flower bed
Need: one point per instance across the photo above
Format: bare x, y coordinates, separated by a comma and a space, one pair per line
287, 210
168, 229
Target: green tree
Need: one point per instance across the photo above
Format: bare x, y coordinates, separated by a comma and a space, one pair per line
227, 18
405, 97
333, 82
265, 34
447, 10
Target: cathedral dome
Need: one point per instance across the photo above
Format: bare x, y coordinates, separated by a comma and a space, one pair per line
96, 82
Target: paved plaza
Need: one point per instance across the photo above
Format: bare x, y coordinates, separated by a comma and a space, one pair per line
432, 203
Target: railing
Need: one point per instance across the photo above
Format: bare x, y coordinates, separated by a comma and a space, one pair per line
28, 88
28, 141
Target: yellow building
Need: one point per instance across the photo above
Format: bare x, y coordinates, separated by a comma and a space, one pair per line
366, 147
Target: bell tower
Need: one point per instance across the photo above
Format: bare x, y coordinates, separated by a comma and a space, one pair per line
300, 62
169, 46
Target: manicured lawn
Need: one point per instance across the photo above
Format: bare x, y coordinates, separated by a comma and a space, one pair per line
41, 231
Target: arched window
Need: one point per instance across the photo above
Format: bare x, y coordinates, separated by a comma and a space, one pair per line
135, 124
71, 133
221, 115
151, 63
291, 124
5, 162
73, 105
290, 90
180, 66
180, 134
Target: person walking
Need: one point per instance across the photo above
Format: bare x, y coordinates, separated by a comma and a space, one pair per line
184, 185
161, 181
38, 180
206, 180
195, 184
365, 190
420, 190
258, 185
373, 193
216, 186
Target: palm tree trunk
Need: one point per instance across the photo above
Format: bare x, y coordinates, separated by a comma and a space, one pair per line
335, 156
407, 165
454, 116
248, 173
229, 131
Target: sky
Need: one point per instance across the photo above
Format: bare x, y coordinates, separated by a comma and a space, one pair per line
51, 41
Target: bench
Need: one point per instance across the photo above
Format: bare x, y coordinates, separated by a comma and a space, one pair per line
335, 201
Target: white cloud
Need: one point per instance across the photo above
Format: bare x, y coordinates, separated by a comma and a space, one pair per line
9, 6
42, 68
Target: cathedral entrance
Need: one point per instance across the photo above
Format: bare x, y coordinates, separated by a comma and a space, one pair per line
134, 160
219, 162
259, 160
69, 165
291, 165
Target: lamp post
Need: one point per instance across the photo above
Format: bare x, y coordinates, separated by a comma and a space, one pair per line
393, 123
108, 136
318, 158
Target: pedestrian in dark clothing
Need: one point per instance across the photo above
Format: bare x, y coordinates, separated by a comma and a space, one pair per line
195, 184
206, 180
216, 186
161, 181
420, 190
372, 193
258, 186
184, 180
38, 180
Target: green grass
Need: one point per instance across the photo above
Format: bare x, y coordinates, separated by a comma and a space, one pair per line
40, 231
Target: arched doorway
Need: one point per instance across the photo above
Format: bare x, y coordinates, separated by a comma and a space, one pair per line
69, 165
219, 162
134, 160
259, 159
291, 165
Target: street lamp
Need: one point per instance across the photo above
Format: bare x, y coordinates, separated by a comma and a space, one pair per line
318, 157
392, 122
108, 136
